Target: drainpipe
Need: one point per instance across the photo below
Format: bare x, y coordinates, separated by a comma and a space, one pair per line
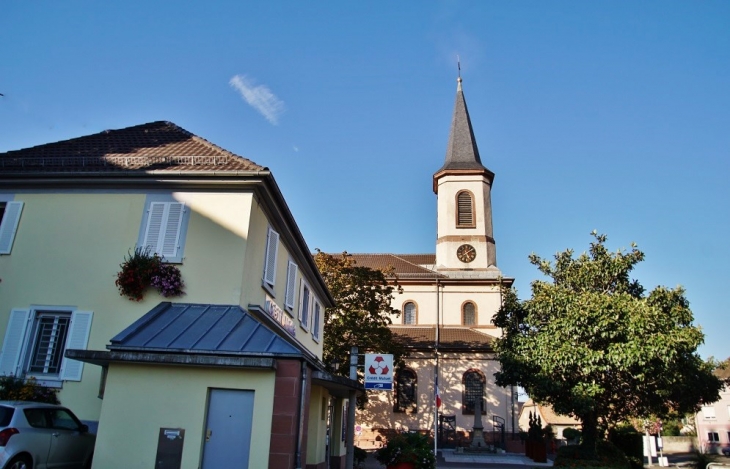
350, 461
512, 398
298, 463
436, 370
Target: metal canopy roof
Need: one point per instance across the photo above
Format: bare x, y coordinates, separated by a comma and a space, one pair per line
201, 328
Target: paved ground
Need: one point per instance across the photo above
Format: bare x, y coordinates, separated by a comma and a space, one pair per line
449, 460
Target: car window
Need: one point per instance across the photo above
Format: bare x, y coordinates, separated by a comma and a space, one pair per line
36, 418
6, 413
61, 418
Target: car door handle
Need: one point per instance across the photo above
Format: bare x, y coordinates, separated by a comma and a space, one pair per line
208, 434
55, 433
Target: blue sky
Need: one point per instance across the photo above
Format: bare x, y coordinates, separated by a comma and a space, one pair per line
605, 115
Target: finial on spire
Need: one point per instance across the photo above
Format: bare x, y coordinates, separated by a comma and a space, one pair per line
458, 66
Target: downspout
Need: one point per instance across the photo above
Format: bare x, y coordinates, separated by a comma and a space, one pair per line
436, 370
298, 463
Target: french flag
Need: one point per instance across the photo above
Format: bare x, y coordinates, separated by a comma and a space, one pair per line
436, 392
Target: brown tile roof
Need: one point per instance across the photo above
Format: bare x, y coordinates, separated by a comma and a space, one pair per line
449, 337
405, 265
158, 146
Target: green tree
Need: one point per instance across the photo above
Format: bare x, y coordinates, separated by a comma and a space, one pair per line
592, 344
362, 311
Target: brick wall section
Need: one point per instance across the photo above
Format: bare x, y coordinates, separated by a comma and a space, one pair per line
285, 421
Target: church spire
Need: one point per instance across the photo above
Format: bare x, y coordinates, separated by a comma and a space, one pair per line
463, 186
462, 153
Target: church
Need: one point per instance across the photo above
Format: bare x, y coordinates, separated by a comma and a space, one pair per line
447, 303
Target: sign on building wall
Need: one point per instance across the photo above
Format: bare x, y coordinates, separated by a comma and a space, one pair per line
280, 316
379, 371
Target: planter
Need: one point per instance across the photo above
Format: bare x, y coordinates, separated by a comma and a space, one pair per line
402, 465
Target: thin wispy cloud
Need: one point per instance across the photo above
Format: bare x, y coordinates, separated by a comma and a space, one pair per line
258, 97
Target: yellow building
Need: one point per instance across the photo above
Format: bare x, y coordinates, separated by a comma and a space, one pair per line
159, 375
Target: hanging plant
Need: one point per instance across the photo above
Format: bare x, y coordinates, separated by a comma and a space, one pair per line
142, 269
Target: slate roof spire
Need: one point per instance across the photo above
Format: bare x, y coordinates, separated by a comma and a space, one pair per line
462, 153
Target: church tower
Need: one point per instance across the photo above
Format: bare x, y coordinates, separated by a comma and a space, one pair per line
465, 240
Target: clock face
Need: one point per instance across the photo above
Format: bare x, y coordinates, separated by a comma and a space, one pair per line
466, 253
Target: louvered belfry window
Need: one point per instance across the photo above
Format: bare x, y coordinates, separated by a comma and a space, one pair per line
465, 210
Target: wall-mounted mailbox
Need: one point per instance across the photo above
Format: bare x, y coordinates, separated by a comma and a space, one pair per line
170, 448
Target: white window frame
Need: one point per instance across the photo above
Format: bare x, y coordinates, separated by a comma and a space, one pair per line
272, 250
21, 336
164, 227
291, 286
708, 412
713, 436
9, 222
316, 319
305, 305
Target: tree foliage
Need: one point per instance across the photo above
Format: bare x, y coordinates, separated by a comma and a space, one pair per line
591, 343
362, 311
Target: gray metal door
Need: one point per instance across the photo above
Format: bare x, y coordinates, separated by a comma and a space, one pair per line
228, 429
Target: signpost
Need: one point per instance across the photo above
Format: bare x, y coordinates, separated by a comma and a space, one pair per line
379, 371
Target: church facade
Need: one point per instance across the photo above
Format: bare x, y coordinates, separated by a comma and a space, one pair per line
447, 303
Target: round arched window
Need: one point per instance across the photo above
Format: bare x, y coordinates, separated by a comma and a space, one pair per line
409, 313
469, 314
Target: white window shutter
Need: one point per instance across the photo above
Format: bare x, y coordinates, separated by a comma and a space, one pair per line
14, 341
78, 338
9, 226
291, 285
272, 245
316, 319
155, 217
304, 305
171, 237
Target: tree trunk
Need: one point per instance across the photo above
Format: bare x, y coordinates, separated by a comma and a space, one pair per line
590, 433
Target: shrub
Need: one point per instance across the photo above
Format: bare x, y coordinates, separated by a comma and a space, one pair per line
359, 456
628, 440
407, 447
19, 389
607, 456
572, 434
671, 428
701, 460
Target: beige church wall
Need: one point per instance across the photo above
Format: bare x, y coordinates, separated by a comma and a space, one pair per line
448, 187
449, 235
379, 411
487, 299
